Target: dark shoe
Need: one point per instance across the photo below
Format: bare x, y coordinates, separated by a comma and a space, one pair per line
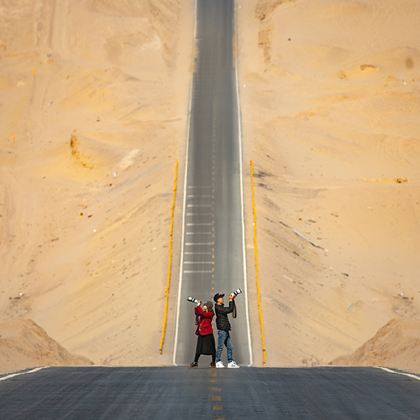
193, 364
212, 365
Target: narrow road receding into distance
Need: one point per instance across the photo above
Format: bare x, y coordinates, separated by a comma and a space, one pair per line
213, 240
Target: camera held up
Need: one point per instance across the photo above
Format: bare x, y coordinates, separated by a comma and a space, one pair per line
236, 292
192, 299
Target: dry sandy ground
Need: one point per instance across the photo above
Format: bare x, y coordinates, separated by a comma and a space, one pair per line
93, 100
24, 343
330, 93
397, 344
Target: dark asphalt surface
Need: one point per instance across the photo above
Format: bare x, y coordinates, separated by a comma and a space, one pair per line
212, 258
184, 393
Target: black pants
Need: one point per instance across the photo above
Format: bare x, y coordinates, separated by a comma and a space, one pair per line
197, 356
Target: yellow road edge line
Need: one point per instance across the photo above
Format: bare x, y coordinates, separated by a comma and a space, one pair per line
257, 275
170, 258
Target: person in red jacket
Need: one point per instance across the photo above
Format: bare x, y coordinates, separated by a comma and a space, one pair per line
205, 340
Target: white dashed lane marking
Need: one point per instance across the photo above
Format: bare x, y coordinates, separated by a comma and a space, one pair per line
199, 196
198, 262
200, 224
191, 187
197, 271
200, 233
199, 205
199, 243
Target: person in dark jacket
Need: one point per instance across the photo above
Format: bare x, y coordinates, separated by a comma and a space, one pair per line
205, 339
223, 329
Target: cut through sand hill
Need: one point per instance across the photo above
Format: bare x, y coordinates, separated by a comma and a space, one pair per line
93, 101
330, 93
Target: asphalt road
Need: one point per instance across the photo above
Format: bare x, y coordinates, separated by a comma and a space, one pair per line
184, 393
213, 251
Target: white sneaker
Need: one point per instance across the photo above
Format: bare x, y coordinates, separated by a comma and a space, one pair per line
232, 365
220, 364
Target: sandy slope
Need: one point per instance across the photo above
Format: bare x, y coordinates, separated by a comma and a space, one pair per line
397, 344
24, 343
93, 98
330, 94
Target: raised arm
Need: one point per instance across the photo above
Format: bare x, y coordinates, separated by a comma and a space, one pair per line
222, 310
199, 311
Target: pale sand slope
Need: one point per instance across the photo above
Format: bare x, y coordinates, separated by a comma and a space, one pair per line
24, 343
330, 93
397, 344
85, 223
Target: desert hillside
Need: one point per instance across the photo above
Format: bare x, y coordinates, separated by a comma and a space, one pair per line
397, 344
93, 100
330, 94
24, 343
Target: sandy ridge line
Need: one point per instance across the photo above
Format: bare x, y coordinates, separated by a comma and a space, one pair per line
13, 375
409, 375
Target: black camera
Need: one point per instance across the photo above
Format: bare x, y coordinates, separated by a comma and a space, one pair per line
236, 292
192, 299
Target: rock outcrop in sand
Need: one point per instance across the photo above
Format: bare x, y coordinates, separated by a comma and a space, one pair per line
93, 103
396, 344
25, 344
330, 93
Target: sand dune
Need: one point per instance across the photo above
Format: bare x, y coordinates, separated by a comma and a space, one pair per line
25, 344
93, 99
330, 101
396, 344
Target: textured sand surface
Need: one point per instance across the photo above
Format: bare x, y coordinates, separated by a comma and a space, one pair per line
93, 101
397, 344
24, 343
330, 100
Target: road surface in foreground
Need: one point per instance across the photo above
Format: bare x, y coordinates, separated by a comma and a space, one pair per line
185, 393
